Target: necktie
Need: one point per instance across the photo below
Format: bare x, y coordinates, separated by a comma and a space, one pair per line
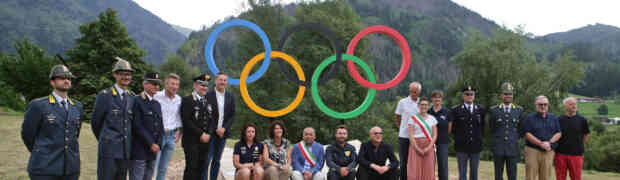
506, 109
64, 105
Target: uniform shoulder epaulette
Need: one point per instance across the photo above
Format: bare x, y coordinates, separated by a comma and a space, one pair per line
494, 106
131, 93
455, 106
104, 91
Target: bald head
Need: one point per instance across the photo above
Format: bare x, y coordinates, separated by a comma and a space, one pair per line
309, 135
376, 135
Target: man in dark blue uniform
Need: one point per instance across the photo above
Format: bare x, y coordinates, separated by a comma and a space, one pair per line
148, 129
199, 127
467, 122
111, 124
504, 122
51, 129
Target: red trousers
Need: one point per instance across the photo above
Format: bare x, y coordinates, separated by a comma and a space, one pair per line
571, 163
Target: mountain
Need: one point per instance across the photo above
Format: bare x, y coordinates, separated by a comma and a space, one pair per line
54, 25
589, 43
597, 47
183, 30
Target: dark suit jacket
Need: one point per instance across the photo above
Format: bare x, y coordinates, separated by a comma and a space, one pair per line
467, 128
147, 127
111, 123
197, 119
51, 135
229, 110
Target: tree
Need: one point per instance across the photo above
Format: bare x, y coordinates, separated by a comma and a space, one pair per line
179, 66
27, 71
92, 59
487, 62
309, 48
603, 109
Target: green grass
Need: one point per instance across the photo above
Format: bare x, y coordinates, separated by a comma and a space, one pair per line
590, 109
14, 159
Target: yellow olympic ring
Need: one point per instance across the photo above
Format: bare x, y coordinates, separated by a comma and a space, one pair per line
244, 89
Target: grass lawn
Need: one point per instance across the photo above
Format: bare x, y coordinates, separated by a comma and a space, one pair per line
590, 109
15, 156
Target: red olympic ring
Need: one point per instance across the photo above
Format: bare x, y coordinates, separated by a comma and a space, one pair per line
404, 47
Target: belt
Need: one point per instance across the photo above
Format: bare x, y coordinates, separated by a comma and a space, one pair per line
167, 132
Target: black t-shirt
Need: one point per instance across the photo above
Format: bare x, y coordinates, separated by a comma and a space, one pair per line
574, 130
247, 154
442, 124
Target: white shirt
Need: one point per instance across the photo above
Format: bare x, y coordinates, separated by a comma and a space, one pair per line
406, 108
196, 96
170, 110
220, 107
470, 107
148, 96
121, 92
417, 132
60, 100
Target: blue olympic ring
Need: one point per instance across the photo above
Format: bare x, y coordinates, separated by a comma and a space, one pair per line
243, 23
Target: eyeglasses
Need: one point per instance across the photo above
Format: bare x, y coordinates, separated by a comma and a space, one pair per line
542, 104
124, 74
469, 94
378, 133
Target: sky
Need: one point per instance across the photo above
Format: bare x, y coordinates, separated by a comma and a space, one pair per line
539, 17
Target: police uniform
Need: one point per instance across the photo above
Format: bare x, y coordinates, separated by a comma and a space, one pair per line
196, 114
148, 129
111, 124
50, 132
504, 122
467, 126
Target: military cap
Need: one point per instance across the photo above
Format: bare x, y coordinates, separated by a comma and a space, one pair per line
507, 88
60, 71
203, 79
152, 77
469, 89
122, 65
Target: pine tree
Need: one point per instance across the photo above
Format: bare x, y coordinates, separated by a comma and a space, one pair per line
92, 59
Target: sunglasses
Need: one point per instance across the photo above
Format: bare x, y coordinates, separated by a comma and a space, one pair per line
378, 133
542, 104
469, 94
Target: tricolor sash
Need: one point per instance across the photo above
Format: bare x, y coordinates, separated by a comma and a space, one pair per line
306, 152
426, 129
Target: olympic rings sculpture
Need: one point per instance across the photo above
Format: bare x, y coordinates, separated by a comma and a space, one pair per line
338, 57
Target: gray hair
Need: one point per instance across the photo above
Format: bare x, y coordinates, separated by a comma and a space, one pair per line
416, 84
370, 131
541, 97
568, 99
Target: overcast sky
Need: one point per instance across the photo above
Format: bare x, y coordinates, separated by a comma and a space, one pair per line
539, 17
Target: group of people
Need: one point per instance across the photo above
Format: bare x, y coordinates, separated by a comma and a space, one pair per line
424, 129
137, 134
276, 159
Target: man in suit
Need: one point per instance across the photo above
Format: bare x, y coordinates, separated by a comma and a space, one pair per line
467, 121
198, 129
223, 117
111, 124
147, 129
51, 129
504, 121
